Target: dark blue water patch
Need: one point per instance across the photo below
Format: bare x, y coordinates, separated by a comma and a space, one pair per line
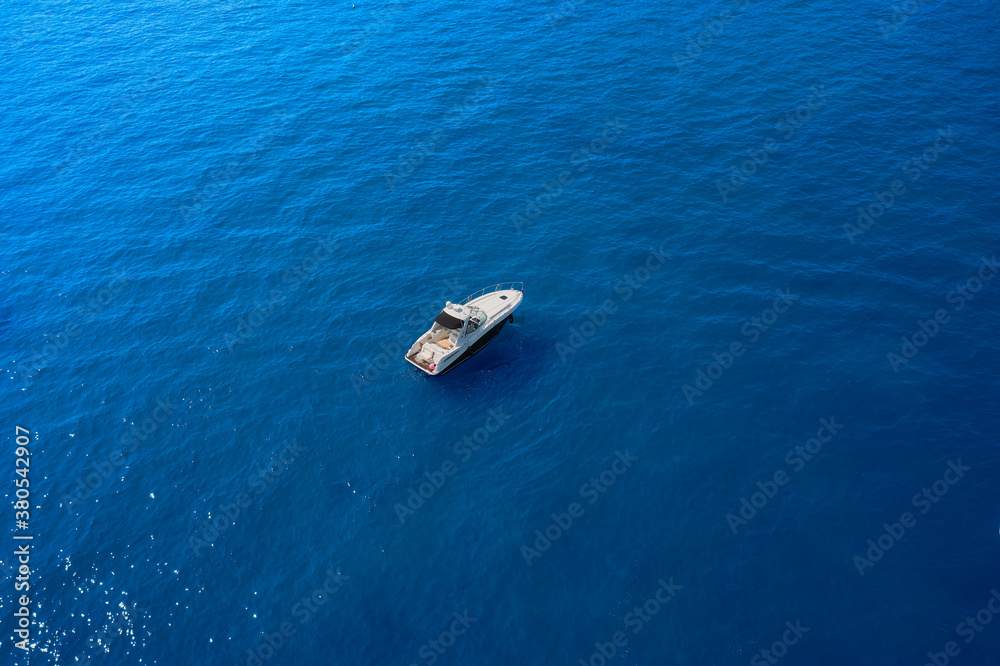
206, 154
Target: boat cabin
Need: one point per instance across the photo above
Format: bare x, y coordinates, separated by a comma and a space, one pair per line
453, 325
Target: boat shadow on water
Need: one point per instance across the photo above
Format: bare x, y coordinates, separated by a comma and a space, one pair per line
514, 358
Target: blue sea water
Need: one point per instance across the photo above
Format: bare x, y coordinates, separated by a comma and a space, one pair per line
733, 414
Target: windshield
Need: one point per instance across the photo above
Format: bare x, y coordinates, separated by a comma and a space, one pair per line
476, 318
449, 321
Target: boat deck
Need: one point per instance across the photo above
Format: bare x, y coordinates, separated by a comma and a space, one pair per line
497, 304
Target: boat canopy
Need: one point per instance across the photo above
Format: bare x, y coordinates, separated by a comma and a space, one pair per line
449, 321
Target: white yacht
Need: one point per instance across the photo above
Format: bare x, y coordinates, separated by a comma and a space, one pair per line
462, 329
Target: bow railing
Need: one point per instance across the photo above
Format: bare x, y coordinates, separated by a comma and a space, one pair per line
502, 286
